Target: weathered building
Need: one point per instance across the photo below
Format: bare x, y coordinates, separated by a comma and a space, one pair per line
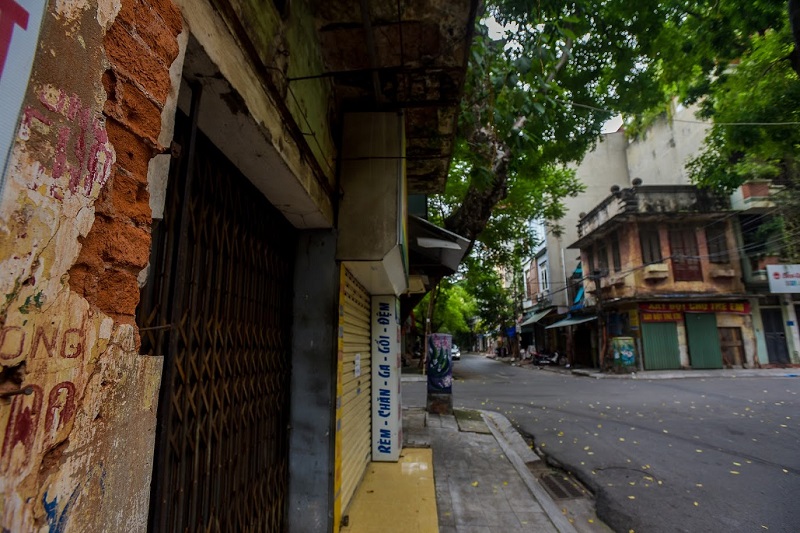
664, 269
203, 242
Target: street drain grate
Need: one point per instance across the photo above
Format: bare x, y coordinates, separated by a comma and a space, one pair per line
561, 487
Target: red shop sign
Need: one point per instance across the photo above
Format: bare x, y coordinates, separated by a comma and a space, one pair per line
741, 308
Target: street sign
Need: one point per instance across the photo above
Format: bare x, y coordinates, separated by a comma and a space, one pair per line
20, 21
784, 278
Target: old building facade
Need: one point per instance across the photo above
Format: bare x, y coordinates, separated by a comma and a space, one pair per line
664, 270
204, 246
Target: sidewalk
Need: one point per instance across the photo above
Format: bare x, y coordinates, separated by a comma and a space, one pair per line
481, 471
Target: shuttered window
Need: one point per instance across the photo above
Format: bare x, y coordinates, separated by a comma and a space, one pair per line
615, 256
717, 242
651, 244
685, 257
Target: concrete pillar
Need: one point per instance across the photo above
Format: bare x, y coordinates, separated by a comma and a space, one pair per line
313, 383
790, 325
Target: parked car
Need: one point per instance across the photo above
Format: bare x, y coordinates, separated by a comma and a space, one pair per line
456, 353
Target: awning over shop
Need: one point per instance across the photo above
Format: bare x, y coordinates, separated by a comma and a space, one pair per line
571, 321
536, 317
434, 249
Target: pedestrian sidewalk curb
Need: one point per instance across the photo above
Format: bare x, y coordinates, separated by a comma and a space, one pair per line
519, 454
692, 374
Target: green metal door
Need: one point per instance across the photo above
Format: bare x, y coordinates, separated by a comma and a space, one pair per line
704, 349
660, 340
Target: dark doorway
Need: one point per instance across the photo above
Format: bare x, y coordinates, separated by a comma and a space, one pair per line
775, 336
732, 346
218, 306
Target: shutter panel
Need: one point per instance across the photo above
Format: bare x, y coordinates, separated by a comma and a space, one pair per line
355, 379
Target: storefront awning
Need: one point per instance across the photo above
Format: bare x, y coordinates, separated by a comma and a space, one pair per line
571, 321
433, 248
536, 317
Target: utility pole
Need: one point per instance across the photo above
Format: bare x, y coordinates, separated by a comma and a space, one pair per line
597, 276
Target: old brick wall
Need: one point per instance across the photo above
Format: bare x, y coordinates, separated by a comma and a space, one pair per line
74, 236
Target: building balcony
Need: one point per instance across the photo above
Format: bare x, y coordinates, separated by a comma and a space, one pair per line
650, 202
755, 196
656, 272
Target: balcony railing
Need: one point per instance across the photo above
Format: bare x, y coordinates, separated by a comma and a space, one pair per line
652, 200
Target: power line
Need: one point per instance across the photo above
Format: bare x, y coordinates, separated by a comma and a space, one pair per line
703, 122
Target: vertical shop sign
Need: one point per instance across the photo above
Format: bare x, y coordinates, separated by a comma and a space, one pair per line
387, 436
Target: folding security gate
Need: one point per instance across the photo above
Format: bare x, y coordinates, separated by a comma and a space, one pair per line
218, 306
703, 339
661, 350
355, 380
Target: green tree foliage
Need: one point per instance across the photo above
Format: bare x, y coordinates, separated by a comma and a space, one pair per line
453, 312
535, 102
537, 97
738, 61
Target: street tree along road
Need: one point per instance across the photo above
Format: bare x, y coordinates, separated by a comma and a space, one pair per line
695, 455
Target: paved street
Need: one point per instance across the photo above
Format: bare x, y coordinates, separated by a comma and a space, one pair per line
661, 455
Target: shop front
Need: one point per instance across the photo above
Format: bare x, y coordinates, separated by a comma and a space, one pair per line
699, 335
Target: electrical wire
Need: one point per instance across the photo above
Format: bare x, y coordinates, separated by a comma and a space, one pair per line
703, 122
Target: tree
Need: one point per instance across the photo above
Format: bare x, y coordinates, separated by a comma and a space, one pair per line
536, 100
740, 62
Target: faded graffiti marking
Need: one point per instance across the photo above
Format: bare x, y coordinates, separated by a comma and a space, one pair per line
60, 407
21, 429
83, 155
45, 342
57, 521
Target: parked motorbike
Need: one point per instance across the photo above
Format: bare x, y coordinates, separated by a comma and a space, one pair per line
555, 358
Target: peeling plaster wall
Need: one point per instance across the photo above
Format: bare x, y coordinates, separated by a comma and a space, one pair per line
76, 453
280, 44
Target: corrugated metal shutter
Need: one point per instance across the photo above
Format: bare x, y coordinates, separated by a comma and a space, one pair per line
704, 350
355, 378
661, 351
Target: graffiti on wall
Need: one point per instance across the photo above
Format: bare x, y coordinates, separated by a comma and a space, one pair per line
82, 156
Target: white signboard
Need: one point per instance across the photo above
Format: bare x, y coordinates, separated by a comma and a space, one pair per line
20, 21
784, 278
387, 436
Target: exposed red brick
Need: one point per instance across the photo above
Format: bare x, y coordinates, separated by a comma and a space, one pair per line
118, 290
130, 106
133, 153
134, 59
84, 280
146, 22
130, 199
170, 14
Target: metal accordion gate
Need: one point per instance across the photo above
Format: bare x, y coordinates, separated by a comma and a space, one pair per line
218, 306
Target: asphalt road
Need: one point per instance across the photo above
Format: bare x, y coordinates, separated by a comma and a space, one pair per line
695, 455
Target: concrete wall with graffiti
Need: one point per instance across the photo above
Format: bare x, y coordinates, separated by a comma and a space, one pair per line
78, 405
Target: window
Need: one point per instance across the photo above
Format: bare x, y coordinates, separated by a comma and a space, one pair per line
685, 260
602, 258
615, 257
651, 245
717, 242
543, 286
530, 283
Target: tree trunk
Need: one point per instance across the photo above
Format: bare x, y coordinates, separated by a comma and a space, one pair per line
470, 219
794, 20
